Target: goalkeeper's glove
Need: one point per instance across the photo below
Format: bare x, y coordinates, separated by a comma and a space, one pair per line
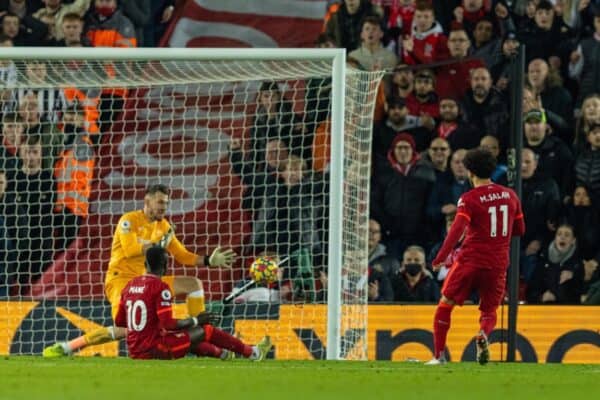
221, 258
166, 239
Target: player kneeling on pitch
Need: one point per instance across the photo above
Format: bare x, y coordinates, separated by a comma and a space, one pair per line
146, 311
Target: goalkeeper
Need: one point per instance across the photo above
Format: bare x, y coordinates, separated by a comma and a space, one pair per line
136, 232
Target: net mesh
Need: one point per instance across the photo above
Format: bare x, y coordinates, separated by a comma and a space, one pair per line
243, 147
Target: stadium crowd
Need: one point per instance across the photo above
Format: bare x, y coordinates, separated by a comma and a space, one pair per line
447, 91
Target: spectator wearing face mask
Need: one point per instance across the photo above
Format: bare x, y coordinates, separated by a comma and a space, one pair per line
413, 282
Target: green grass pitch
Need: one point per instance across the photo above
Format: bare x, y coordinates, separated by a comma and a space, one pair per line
121, 378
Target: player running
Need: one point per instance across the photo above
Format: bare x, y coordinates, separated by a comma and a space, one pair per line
145, 311
491, 215
136, 232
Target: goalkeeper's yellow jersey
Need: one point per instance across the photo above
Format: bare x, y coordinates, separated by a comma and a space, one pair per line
133, 231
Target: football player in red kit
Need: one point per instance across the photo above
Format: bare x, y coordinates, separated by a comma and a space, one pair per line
489, 215
152, 332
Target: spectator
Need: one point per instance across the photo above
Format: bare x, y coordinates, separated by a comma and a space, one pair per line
556, 100
25, 31
29, 112
413, 282
483, 36
555, 279
398, 120
8, 237
274, 120
139, 13
291, 212
541, 201
585, 220
453, 79
49, 101
554, 159
542, 37
161, 13
584, 63
484, 108
427, 42
20, 7
34, 192
402, 81
371, 54
276, 156
452, 128
73, 172
379, 284
438, 155
398, 18
402, 184
72, 32
491, 144
12, 135
498, 60
590, 115
343, 23
106, 26
379, 260
587, 165
446, 192
424, 102
469, 13
8, 76
53, 15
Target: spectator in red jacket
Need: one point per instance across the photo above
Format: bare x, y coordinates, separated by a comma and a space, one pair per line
454, 79
427, 42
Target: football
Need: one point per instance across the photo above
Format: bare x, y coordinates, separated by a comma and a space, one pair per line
264, 270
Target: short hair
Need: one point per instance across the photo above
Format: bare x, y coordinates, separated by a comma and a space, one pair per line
424, 5
158, 188
545, 5
480, 162
11, 14
156, 260
370, 19
416, 248
72, 17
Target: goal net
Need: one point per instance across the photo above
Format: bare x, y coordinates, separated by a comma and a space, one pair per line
248, 143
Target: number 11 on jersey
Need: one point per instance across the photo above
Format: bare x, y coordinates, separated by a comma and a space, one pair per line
493, 211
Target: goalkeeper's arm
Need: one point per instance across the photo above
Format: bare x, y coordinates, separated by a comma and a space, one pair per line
218, 258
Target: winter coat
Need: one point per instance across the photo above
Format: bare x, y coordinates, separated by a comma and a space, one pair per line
587, 173
556, 161
546, 276
541, 203
490, 117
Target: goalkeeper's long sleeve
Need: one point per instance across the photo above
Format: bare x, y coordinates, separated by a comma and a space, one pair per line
181, 254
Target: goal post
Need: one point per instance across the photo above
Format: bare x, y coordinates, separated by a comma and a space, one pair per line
188, 118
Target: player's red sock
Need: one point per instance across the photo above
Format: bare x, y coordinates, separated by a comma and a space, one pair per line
226, 341
441, 325
487, 321
206, 349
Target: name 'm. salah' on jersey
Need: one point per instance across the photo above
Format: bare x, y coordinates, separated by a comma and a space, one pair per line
491, 215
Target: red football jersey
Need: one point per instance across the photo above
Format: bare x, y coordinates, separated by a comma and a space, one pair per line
492, 215
146, 302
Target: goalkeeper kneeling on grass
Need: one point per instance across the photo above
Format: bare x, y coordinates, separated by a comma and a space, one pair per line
136, 232
152, 332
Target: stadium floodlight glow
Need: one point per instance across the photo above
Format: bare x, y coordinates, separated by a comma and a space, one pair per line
182, 111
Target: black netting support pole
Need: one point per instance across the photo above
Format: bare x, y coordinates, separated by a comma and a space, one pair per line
514, 181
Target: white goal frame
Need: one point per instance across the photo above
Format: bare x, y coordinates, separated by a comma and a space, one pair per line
337, 57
